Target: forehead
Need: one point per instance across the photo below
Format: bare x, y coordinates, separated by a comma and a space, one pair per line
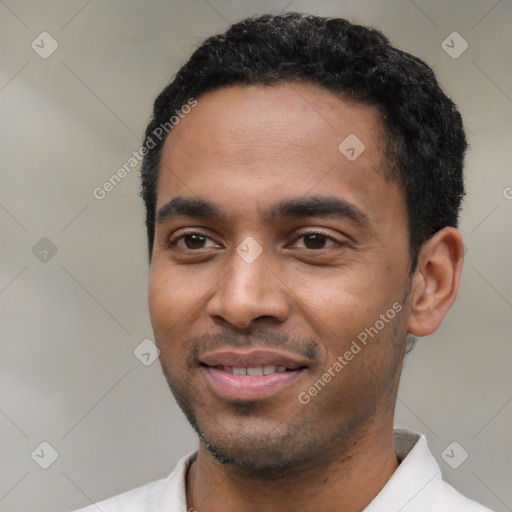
297, 113
287, 139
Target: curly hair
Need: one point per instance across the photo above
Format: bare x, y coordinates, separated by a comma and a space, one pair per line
425, 139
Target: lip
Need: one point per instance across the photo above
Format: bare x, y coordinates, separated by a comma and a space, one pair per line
246, 387
253, 357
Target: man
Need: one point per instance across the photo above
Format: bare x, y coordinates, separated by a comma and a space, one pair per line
302, 181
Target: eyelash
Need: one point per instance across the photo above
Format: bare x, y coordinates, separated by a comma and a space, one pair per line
173, 241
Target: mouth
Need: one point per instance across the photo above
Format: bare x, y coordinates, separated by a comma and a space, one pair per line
255, 371
253, 375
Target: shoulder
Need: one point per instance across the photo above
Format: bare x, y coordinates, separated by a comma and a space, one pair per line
135, 500
417, 485
449, 500
168, 492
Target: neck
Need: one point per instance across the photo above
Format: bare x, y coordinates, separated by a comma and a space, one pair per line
352, 474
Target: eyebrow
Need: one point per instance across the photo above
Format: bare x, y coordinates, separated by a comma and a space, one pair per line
188, 207
299, 207
317, 206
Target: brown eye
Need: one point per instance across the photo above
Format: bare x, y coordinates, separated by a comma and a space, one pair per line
315, 241
194, 241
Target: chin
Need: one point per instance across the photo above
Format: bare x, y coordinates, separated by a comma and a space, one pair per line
261, 447
240, 436
261, 455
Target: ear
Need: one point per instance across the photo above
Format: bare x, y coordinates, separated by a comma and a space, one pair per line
435, 281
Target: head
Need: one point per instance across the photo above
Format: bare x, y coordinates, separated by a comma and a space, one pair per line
424, 136
307, 194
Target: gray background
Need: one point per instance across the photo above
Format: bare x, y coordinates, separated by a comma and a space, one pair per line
70, 323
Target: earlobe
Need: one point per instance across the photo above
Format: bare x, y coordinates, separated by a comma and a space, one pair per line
435, 281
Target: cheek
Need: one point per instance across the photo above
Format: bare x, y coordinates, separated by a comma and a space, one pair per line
166, 310
346, 303
176, 298
164, 292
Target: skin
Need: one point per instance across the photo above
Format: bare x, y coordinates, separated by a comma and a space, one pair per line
244, 149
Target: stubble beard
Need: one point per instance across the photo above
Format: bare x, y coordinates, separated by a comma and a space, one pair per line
292, 447
292, 444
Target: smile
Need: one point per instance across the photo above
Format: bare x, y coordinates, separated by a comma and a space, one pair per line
250, 383
254, 374
254, 371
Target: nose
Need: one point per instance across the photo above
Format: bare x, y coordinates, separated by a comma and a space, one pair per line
248, 292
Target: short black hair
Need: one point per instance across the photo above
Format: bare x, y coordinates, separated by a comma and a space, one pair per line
425, 139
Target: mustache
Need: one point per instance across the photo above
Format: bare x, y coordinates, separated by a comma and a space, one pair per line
261, 338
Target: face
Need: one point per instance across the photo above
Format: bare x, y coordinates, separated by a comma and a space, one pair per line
279, 272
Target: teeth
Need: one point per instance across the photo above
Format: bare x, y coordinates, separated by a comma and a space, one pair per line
269, 368
254, 371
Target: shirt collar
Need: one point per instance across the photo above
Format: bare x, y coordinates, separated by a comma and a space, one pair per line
418, 472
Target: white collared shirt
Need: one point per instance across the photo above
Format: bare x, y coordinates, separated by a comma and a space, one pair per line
416, 486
